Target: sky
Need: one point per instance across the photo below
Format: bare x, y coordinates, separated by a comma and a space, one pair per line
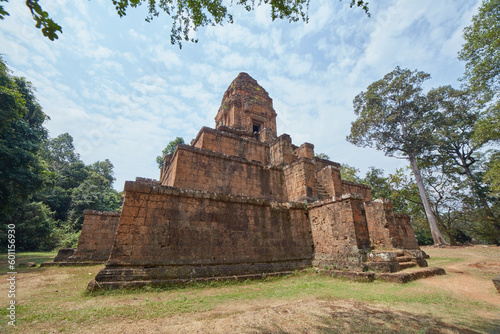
123, 92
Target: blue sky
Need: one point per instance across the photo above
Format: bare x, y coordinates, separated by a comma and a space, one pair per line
123, 91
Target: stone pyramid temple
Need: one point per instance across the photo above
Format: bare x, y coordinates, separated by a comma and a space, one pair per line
242, 202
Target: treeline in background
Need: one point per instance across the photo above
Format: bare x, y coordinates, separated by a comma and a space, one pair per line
44, 185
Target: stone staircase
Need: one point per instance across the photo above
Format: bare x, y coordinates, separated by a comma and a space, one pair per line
405, 261
321, 193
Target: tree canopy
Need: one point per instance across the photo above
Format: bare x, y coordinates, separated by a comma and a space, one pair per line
437, 133
169, 149
481, 51
394, 116
44, 186
21, 136
186, 15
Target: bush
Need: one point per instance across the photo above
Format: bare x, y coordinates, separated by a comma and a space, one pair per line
34, 226
424, 237
69, 240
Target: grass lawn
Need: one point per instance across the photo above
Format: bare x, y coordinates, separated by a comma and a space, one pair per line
53, 300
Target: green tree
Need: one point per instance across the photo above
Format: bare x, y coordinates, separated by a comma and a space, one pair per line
60, 152
44, 186
70, 186
186, 15
35, 228
492, 174
104, 168
170, 149
394, 116
48, 27
481, 53
63, 171
21, 135
405, 195
21, 169
379, 184
406, 199
455, 119
449, 194
322, 156
349, 173
95, 193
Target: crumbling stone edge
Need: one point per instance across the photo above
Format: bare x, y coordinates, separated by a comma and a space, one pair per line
496, 282
99, 286
71, 264
397, 277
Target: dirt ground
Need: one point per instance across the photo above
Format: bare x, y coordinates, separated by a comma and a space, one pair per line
469, 274
304, 316
472, 277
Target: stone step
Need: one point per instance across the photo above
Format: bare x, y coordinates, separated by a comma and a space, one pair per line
406, 265
408, 276
404, 258
398, 277
320, 191
399, 253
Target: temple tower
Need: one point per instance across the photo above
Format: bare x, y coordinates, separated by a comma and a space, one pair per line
247, 106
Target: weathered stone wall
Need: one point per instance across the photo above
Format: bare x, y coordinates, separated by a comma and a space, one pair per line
329, 178
97, 236
349, 187
340, 233
63, 254
322, 163
194, 168
405, 237
381, 223
164, 225
194, 234
229, 144
281, 151
389, 230
300, 180
305, 150
164, 169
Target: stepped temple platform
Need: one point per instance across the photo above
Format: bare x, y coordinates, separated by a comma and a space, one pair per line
242, 202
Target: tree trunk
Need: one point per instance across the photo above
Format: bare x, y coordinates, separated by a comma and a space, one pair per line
436, 234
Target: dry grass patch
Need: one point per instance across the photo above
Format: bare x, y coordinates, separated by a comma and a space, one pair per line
52, 300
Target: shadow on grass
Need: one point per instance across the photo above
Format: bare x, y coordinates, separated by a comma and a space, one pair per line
356, 318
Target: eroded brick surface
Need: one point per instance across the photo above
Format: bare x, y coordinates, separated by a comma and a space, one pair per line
169, 226
340, 233
97, 236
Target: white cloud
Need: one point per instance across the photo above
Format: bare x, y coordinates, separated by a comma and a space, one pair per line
163, 58
236, 61
299, 66
136, 36
123, 91
321, 14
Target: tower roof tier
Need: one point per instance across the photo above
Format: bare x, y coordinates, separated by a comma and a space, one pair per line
246, 106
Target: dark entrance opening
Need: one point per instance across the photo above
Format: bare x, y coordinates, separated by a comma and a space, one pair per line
256, 127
